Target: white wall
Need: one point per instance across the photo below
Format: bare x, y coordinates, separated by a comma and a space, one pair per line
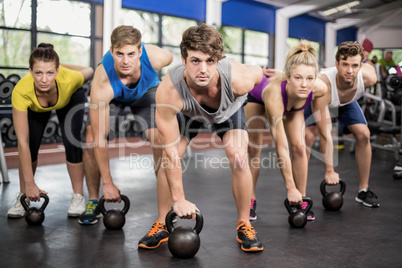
386, 37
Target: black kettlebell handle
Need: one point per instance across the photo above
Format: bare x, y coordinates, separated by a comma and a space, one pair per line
198, 224
25, 204
324, 184
305, 199
124, 210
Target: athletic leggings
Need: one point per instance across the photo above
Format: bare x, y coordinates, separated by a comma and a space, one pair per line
72, 138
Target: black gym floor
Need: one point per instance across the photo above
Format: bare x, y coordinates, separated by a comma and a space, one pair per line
356, 236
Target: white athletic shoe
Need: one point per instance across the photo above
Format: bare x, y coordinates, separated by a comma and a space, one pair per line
17, 211
77, 206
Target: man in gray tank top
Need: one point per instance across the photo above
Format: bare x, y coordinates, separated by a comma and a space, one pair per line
347, 82
207, 89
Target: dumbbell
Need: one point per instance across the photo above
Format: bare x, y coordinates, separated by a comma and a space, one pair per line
14, 78
125, 125
6, 88
5, 123
50, 129
55, 119
11, 136
87, 89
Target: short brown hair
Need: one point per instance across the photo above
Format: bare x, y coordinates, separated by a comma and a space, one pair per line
349, 49
202, 38
125, 35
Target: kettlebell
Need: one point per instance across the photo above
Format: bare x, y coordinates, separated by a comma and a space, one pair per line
297, 216
33, 215
184, 241
332, 201
114, 219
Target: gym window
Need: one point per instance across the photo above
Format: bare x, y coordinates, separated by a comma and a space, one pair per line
246, 46
65, 24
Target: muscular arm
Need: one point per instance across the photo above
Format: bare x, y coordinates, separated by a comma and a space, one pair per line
245, 77
274, 110
166, 120
87, 72
169, 104
101, 95
369, 75
324, 125
271, 72
158, 57
320, 89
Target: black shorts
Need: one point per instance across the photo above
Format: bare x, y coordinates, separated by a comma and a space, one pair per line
252, 99
70, 122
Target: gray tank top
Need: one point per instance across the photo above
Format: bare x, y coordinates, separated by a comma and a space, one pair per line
191, 108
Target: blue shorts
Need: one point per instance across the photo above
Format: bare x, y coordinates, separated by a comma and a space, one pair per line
190, 128
350, 114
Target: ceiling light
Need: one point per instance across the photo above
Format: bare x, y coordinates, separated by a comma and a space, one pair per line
337, 9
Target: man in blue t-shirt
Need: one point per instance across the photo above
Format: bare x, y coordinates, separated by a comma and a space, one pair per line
127, 76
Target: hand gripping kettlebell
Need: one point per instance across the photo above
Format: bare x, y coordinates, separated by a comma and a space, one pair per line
184, 241
114, 219
33, 215
332, 201
298, 216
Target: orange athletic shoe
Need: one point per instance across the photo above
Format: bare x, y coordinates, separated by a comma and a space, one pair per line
155, 236
246, 236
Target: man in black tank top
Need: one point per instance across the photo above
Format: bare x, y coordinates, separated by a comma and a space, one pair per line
205, 90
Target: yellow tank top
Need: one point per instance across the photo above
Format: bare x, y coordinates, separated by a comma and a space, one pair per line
24, 97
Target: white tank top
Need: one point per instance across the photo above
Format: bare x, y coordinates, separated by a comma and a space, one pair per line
331, 74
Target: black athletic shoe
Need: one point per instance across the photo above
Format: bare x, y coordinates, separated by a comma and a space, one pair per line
91, 214
155, 236
368, 199
253, 210
247, 238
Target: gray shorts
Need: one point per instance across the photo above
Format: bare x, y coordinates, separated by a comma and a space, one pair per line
190, 128
143, 111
